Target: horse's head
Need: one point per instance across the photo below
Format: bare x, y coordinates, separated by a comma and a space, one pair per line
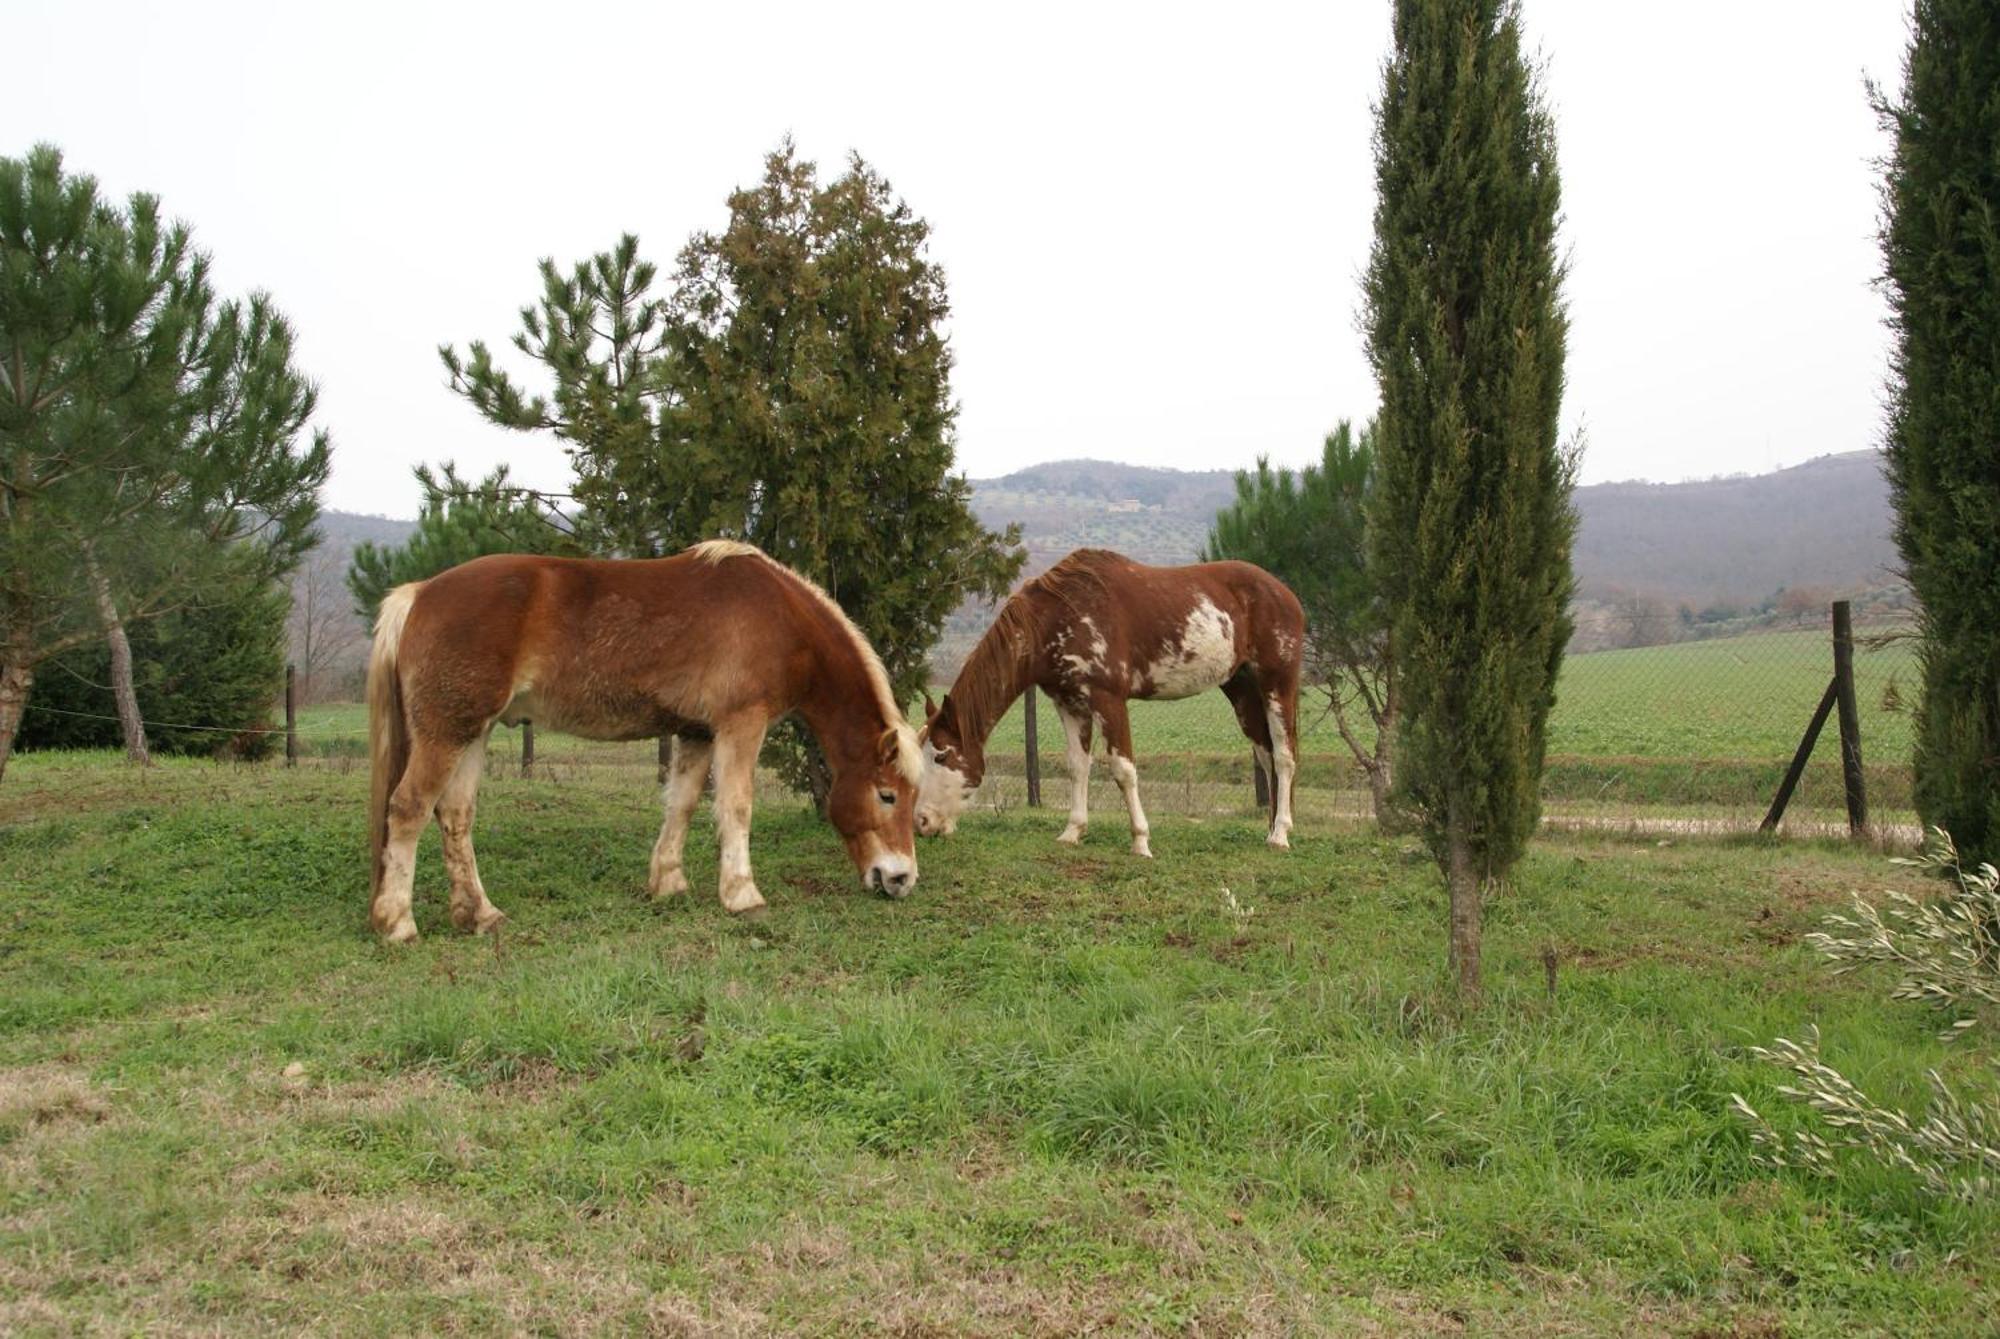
870, 805
952, 771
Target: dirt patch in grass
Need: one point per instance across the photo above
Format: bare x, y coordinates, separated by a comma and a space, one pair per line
42, 1095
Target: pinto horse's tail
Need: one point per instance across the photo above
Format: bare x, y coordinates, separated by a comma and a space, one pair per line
388, 733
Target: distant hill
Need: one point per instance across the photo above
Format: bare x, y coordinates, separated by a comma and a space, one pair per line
1823, 524
1720, 549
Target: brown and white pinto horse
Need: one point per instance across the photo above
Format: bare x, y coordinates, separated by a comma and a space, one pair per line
710, 646
1097, 629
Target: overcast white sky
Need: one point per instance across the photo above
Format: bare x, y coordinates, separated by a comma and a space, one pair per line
1153, 223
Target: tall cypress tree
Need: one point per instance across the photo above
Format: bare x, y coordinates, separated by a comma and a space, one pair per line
1472, 527
1941, 253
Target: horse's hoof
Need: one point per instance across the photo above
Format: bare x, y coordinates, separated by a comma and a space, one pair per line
1278, 841
402, 932
1071, 836
743, 901
1140, 847
488, 920
672, 884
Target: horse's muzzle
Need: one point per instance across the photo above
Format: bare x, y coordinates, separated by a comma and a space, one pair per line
892, 883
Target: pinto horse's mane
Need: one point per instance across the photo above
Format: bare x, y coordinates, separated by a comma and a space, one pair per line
990, 679
909, 759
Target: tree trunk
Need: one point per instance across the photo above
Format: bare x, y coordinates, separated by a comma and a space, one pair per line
15, 680
133, 728
1379, 786
1463, 879
1382, 767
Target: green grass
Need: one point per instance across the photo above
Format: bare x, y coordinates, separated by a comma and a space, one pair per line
1057, 1089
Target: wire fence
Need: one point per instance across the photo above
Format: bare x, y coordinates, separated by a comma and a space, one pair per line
1693, 734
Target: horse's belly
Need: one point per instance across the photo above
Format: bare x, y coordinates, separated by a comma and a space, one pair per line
613, 721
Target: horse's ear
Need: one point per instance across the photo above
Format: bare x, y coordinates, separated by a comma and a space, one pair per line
930, 709
888, 748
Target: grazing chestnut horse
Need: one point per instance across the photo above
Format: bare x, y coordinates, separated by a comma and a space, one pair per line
710, 646
1097, 629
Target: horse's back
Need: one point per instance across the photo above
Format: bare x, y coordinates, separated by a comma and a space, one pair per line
604, 648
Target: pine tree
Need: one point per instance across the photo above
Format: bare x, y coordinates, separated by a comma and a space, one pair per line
1941, 257
790, 388
459, 521
1466, 332
150, 435
1310, 531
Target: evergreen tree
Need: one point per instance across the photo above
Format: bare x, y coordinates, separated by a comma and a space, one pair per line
1471, 537
792, 389
597, 333
150, 435
209, 678
459, 521
1310, 530
1941, 254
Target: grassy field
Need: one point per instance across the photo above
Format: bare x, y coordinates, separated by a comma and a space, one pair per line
1056, 1091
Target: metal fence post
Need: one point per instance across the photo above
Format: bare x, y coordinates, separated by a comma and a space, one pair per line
1850, 718
291, 716
1034, 760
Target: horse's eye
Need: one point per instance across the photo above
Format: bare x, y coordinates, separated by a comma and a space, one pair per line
887, 797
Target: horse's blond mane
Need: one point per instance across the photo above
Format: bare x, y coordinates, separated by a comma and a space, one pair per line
909, 759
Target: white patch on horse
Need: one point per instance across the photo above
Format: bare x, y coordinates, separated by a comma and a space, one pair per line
1083, 669
1204, 658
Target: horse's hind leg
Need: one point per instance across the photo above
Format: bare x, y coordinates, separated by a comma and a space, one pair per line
470, 911
1251, 718
424, 779
1111, 713
736, 749
685, 775
1281, 710
1076, 730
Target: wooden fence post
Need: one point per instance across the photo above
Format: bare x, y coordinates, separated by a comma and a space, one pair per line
1034, 760
1798, 767
666, 756
527, 748
291, 716
1850, 718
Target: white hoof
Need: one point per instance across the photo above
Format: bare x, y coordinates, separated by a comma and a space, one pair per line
672, 883
1071, 835
1141, 847
742, 898
403, 931
1279, 841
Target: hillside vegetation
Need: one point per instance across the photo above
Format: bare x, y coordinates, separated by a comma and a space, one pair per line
1723, 550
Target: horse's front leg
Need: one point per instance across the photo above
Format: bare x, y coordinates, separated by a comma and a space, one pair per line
1076, 730
1111, 714
685, 775
736, 747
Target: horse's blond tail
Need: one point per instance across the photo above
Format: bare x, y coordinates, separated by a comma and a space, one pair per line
388, 733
